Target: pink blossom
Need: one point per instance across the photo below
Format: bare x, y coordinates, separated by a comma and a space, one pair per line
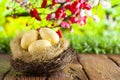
59, 1
67, 0
74, 7
60, 13
82, 20
65, 24
96, 18
74, 19
54, 2
50, 16
81, 1
85, 6
67, 5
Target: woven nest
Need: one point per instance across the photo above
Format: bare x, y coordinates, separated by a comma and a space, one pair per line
35, 66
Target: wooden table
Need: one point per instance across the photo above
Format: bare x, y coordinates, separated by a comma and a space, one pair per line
84, 67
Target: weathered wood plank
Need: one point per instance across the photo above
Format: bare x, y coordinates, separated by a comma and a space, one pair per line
99, 67
76, 71
73, 71
115, 58
59, 76
12, 75
4, 64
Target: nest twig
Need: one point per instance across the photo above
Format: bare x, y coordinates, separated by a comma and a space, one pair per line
50, 66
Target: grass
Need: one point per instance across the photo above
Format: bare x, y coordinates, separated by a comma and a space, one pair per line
4, 45
94, 44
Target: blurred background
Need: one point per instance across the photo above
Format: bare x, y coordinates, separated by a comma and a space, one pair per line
100, 35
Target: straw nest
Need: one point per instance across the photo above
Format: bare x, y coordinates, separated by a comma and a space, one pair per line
59, 56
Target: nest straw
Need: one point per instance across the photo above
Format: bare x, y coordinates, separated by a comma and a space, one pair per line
50, 66
23, 62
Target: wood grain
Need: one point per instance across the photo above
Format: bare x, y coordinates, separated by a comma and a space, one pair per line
4, 64
115, 58
73, 71
59, 76
12, 75
76, 72
99, 67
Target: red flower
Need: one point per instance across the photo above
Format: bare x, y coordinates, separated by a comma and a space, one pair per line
48, 17
74, 7
82, 20
44, 3
65, 24
75, 4
34, 13
85, 6
59, 1
54, 2
60, 13
59, 33
67, 0
81, 1
67, 6
73, 19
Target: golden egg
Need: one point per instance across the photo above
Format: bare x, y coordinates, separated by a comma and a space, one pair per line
49, 34
28, 37
38, 45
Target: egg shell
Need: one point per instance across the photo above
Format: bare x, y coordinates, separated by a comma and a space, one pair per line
38, 46
49, 34
28, 38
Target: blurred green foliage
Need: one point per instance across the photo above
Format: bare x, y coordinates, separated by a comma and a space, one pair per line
94, 37
94, 44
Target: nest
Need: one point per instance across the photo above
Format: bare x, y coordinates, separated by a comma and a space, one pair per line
50, 66
25, 64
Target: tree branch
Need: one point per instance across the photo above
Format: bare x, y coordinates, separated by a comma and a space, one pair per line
19, 14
